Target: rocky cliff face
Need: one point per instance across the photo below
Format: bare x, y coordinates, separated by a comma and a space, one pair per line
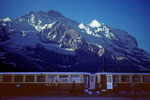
48, 41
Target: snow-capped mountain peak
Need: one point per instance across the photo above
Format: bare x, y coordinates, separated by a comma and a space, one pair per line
94, 23
7, 19
81, 26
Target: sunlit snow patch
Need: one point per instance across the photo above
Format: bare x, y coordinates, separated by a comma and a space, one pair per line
6, 19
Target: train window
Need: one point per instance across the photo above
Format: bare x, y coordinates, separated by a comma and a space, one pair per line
136, 78
7, 78
41, 78
125, 78
109, 78
18, 78
146, 78
52, 78
92, 78
75, 78
63, 78
116, 78
29, 78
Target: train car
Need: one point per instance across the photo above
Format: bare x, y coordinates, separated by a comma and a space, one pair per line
80, 81
115, 82
43, 81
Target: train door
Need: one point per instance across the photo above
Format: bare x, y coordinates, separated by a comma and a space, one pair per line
92, 81
109, 81
86, 81
103, 81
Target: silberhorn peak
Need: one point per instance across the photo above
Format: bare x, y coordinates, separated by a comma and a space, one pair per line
95, 23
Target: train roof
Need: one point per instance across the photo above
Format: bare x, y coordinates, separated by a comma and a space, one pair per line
71, 73
123, 73
44, 73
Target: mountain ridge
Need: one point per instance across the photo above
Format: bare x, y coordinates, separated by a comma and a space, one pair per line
78, 46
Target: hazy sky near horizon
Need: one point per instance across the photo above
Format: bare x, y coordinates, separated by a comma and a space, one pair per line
132, 16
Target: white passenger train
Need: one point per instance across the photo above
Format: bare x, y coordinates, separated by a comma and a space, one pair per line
46, 81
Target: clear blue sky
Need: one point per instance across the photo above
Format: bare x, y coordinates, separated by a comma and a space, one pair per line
130, 15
